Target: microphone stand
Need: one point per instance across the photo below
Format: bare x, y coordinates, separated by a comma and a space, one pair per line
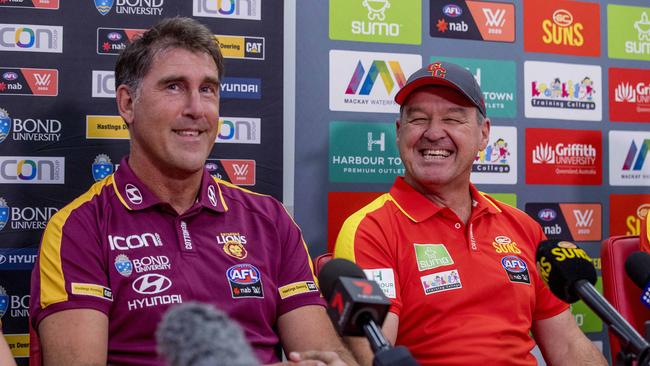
385, 354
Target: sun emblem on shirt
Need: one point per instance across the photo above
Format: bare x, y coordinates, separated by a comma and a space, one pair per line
235, 249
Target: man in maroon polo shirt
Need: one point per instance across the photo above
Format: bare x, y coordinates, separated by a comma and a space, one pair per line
162, 231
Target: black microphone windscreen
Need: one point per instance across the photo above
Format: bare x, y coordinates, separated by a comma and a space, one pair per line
194, 334
637, 267
561, 264
334, 269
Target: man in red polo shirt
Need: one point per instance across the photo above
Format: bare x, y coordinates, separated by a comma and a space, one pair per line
162, 231
458, 266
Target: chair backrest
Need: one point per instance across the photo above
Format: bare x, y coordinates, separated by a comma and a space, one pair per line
320, 261
618, 289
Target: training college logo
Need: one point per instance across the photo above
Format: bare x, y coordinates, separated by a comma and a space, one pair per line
564, 27
629, 95
368, 81
111, 41
478, 20
240, 130
558, 156
32, 170
130, 7
240, 172
363, 152
568, 221
233, 9
25, 81
386, 21
29, 129
103, 84
627, 158
628, 32
562, 91
497, 80
627, 211
244, 47
241, 88
497, 164
36, 4
31, 38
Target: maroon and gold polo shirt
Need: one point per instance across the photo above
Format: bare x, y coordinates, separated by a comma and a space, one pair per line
120, 250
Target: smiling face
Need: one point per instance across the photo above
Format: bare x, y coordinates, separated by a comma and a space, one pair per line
438, 136
174, 116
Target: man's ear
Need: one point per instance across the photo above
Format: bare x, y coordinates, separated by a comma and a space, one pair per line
125, 100
485, 133
398, 124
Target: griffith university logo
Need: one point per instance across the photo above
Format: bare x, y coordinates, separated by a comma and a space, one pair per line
4, 213
543, 153
102, 167
5, 124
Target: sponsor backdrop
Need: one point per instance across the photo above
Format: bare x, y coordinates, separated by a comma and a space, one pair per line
566, 84
59, 128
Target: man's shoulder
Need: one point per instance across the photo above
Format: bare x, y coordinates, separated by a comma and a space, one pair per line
91, 201
509, 210
236, 196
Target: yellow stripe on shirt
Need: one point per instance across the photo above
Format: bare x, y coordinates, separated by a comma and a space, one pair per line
344, 247
52, 280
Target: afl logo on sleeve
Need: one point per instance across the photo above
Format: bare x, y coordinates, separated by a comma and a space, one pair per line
245, 281
516, 269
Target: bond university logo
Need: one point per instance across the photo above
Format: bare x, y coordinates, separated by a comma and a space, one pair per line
233, 9
564, 27
477, 20
562, 91
4, 213
130, 7
557, 156
103, 6
368, 81
102, 167
5, 124
628, 155
386, 21
628, 32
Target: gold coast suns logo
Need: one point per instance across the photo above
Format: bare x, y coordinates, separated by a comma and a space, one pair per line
233, 244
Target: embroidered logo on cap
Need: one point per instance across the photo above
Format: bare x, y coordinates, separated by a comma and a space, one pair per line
437, 70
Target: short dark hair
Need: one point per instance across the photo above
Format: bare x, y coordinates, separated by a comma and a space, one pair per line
134, 61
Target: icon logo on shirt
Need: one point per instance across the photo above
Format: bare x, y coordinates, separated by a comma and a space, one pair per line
123, 265
133, 194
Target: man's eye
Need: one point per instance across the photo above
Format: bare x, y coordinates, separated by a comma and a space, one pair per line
172, 86
209, 89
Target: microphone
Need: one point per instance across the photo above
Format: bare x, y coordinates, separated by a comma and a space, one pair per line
570, 274
637, 267
356, 306
194, 334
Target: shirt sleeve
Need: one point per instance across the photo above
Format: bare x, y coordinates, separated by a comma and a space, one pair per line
70, 271
365, 240
296, 280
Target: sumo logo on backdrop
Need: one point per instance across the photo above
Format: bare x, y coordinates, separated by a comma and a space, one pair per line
130, 7
110, 41
103, 84
25, 81
31, 38
628, 152
386, 21
368, 81
233, 9
244, 47
28, 128
628, 32
32, 170
498, 82
36, 4
568, 221
626, 213
363, 152
478, 20
629, 95
497, 164
562, 91
564, 27
558, 156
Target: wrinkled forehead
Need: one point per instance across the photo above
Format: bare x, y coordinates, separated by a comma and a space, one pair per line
437, 94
